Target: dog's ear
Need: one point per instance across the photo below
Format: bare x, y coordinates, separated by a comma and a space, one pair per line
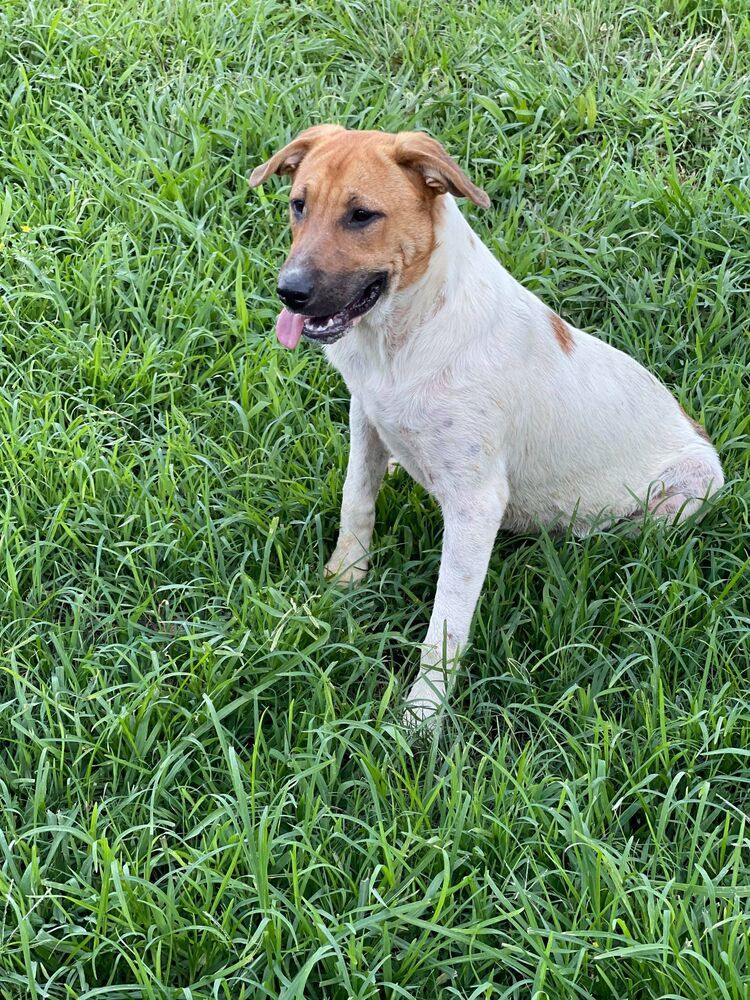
289, 158
418, 151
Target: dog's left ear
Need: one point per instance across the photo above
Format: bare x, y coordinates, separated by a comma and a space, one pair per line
418, 151
289, 158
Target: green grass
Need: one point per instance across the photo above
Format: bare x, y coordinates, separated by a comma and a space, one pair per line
205, 791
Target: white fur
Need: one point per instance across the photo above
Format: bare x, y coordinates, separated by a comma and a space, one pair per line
462, 380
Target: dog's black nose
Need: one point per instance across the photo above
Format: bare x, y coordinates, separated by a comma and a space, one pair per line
295, 290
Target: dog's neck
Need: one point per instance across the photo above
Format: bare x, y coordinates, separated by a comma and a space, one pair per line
451, 265
453, 276
462, 279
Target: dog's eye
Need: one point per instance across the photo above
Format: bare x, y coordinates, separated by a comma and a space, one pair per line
298, 206
361, 216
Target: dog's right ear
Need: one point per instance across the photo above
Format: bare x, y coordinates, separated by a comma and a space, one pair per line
289, 158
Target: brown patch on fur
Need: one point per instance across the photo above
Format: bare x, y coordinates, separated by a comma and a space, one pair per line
399, 175
562, 332
700, 430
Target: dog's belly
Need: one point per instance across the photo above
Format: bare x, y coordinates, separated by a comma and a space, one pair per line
453, 463
530, 509
518, 522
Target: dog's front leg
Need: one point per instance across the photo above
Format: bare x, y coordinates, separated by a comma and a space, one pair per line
368, 458
470, 527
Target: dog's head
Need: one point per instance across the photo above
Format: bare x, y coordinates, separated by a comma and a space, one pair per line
363, 208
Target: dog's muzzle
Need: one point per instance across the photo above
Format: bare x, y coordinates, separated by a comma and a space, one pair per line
324, 308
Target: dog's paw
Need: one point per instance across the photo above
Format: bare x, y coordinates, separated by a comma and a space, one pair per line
420, 719
423, 704
345, 571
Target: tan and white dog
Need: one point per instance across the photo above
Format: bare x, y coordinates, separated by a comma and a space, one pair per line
505, 413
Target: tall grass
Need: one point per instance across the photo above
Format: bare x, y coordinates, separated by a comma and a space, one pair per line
205, 791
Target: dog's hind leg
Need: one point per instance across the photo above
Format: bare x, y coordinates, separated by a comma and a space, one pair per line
368, 458
683, 487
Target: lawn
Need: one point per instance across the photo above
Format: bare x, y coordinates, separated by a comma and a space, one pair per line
205, 787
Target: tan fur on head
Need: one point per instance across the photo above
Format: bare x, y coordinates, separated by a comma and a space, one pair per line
286, 160
399, 176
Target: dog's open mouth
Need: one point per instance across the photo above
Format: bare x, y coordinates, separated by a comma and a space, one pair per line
328, 329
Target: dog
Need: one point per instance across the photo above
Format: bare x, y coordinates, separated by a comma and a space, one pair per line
505, 413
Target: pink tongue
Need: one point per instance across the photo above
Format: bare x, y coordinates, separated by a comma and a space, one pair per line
289, 328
